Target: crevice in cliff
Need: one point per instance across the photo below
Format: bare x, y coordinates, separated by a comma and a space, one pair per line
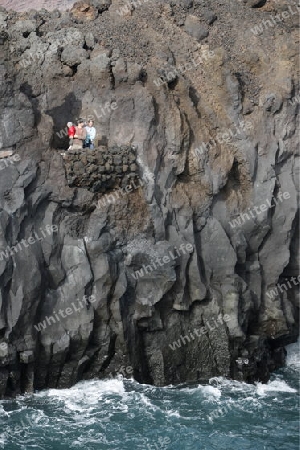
193, 94
271, 213
172, 84
292, 267
111, 353
156, 119
134, 338
200, 262
241, 85
48, 366
143, 77
112, 78
89, 286
27, 90
10, 390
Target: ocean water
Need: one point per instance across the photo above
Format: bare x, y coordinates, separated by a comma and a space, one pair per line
121, 414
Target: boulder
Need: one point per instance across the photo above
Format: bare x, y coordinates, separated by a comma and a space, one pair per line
195, 28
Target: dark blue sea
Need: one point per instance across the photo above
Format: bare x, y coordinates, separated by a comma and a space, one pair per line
119, 414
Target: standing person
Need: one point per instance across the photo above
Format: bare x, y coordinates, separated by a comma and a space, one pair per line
71, 133
80, 135
90, 135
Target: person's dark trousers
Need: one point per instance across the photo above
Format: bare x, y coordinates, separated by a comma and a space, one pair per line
89, 144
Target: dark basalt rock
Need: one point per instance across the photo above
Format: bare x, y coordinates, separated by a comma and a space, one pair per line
90, 168
178, 165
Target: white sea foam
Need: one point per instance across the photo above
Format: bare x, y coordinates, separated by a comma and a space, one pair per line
211, 392
3, 412
172, 413
232, 386
273, 386
84, 396
3, 440
293, 358
145, 400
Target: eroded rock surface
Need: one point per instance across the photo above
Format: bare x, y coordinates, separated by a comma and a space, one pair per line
87, 289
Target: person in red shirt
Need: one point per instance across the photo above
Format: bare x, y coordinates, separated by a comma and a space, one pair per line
71, 133
80, 135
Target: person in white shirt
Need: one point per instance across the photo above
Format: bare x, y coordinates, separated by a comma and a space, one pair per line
90, 135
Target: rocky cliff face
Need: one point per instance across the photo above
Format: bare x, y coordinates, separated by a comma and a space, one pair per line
174, 276
23, 5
